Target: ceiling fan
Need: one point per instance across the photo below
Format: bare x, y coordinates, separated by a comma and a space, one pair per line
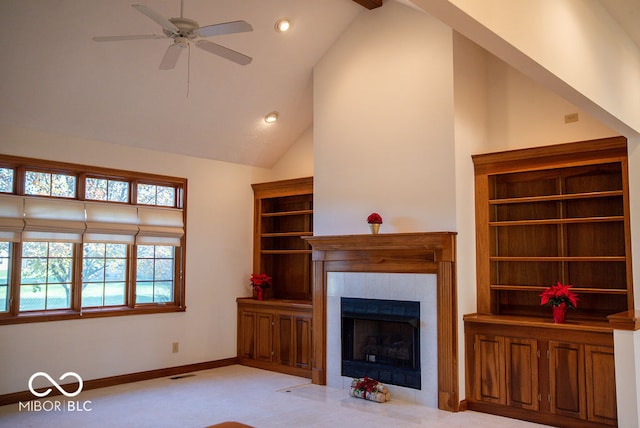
182, 31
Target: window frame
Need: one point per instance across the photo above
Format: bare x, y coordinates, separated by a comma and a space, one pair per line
20, 165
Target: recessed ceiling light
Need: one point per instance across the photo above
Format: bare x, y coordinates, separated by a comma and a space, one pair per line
272, 117
282, 25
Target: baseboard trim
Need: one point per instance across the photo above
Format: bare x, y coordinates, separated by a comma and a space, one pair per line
16, 397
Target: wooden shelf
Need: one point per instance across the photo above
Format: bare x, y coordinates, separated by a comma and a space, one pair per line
285, 251
537, 322
558, 259
285, 234
536, 288
287, 213
552, 198
552, 221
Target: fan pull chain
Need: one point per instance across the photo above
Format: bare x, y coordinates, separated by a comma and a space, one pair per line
188, 68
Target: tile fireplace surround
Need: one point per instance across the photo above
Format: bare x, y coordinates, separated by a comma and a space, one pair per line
401, 266
387, 286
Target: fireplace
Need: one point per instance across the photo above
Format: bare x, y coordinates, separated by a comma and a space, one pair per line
428, 257
381, 340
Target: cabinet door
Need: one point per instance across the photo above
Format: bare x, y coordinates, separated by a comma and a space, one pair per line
566, 379
264, 337
293, 336
303, 342
522, 373
489, 368
601, 384
284, 337
247, 332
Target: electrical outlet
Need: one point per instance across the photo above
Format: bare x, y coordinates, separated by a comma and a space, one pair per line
572, 117
175, 347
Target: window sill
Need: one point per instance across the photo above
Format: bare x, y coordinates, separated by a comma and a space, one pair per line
67, 314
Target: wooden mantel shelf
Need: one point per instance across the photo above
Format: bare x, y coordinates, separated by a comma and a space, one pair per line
441, 244
427, 252
388, 252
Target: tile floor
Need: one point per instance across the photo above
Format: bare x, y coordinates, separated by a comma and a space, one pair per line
237, 393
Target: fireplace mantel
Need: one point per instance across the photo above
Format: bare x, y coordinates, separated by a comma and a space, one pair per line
428, 252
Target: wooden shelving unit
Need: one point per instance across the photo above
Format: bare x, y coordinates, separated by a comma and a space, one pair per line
275, 334
283, 215
546, 215
543, 215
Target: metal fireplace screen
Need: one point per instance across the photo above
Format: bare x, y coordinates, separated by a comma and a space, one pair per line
381, 340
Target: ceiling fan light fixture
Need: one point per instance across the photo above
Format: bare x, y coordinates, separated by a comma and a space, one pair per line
272, 117
282, 25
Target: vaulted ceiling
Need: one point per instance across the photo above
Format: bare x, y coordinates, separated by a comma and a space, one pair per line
55, 78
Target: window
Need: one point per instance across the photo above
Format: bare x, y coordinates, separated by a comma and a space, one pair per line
50, 184
5, 250
6, 180
104, 274
103, 189
82, 248
46, 276
155, 274
150, 194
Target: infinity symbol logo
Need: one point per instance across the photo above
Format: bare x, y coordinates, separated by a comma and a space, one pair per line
54, 383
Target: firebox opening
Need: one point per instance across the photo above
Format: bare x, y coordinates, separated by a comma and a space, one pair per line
381, 340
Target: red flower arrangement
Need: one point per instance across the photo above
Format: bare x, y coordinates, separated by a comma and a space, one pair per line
559, 294
367, 384
374, 218
261, 280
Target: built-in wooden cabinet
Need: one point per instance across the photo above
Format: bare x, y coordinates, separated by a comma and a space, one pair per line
561, 376
543, 215
275, 335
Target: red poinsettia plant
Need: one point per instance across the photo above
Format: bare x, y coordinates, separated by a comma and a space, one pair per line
261, 280
367, 384
374, 218
558, 295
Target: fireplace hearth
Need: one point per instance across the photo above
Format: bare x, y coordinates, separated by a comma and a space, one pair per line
381, 340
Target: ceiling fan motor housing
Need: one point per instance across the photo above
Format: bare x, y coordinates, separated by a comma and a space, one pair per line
186, 26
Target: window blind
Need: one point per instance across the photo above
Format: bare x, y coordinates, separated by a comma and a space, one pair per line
47, 219
114, 223
159, 226
11, 218
53, 220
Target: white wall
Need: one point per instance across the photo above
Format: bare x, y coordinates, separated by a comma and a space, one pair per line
383, 126
572, 47
518, 106
297, 161
219, 251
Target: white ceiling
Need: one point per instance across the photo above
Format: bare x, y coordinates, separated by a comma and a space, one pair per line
55, 78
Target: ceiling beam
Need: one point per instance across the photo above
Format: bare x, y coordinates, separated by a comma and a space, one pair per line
369, 4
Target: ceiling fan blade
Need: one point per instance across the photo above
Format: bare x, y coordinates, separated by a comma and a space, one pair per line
133, 37
164, 22
171, 56
224, 28
226, 53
